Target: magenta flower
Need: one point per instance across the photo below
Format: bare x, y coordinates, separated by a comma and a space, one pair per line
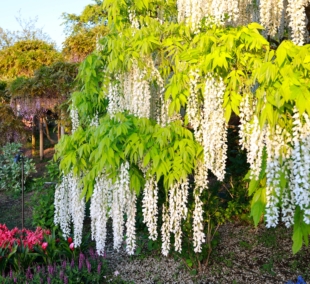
44, 245
71, 246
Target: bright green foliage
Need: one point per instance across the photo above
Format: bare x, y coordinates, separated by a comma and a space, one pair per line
170, 152
83, 30
10, 172
240, 55
24, 57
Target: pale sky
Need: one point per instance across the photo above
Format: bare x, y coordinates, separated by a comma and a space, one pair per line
48, 13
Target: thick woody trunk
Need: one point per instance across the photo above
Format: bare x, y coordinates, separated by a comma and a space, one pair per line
33, 137
308, 17
41, 138
48, 132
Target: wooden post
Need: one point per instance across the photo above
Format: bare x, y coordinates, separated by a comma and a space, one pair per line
41, 138
62, 128
33, 137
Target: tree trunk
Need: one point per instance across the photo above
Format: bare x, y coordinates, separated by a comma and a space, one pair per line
62, 128
48, 132
308, 17
41, 138
33, 136
58, 131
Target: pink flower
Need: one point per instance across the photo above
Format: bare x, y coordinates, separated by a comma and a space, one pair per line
71, 246
44, 245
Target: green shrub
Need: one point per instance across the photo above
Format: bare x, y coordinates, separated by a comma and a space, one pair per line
10, 171
43, 199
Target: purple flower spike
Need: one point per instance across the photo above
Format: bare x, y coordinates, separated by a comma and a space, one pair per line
72, 263
50, 269
48, 280
28, 273
81, 260
99, 268
61, 275
65, 280
64, 264
88, 266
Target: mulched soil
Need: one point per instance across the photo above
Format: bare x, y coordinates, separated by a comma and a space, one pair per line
244, 255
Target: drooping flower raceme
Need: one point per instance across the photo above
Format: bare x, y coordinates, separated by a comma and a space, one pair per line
178, 197
149, 206
201, 183
99, 211
300, 166
165, 231
214, 127
69, 206
131, 223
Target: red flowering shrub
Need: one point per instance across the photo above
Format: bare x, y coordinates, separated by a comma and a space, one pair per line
24, 237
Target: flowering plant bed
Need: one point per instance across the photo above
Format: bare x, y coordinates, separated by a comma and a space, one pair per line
24, 237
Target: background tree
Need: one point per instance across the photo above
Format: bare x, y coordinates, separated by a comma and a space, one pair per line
83, 32
47, 90
24, 57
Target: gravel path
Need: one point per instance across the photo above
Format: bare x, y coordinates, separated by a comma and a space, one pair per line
244, 255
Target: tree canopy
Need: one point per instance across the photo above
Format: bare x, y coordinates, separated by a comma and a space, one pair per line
83, 31
25, 56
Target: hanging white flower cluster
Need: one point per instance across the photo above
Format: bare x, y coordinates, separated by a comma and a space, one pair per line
272, 14
278, 153
113, 200
116, 100
256, 146
193, 11
214, 127
137, 94
300, 167
74, 118
133, 19
100, 211
69, 206
120, 192
194, 107
62, 214
178, 194
95, 120
247, 110
131, 223
165, 231
297, 20
201, 183
149, 206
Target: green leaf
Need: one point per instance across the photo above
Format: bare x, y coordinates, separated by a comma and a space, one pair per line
297, 239
256, 26
254, 183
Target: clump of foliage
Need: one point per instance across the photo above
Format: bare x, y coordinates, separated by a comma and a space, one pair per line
84, 32
10, 171
157, 99
25, 56
43, 198
44, 257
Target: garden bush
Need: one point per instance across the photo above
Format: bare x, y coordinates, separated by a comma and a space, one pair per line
10, 171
